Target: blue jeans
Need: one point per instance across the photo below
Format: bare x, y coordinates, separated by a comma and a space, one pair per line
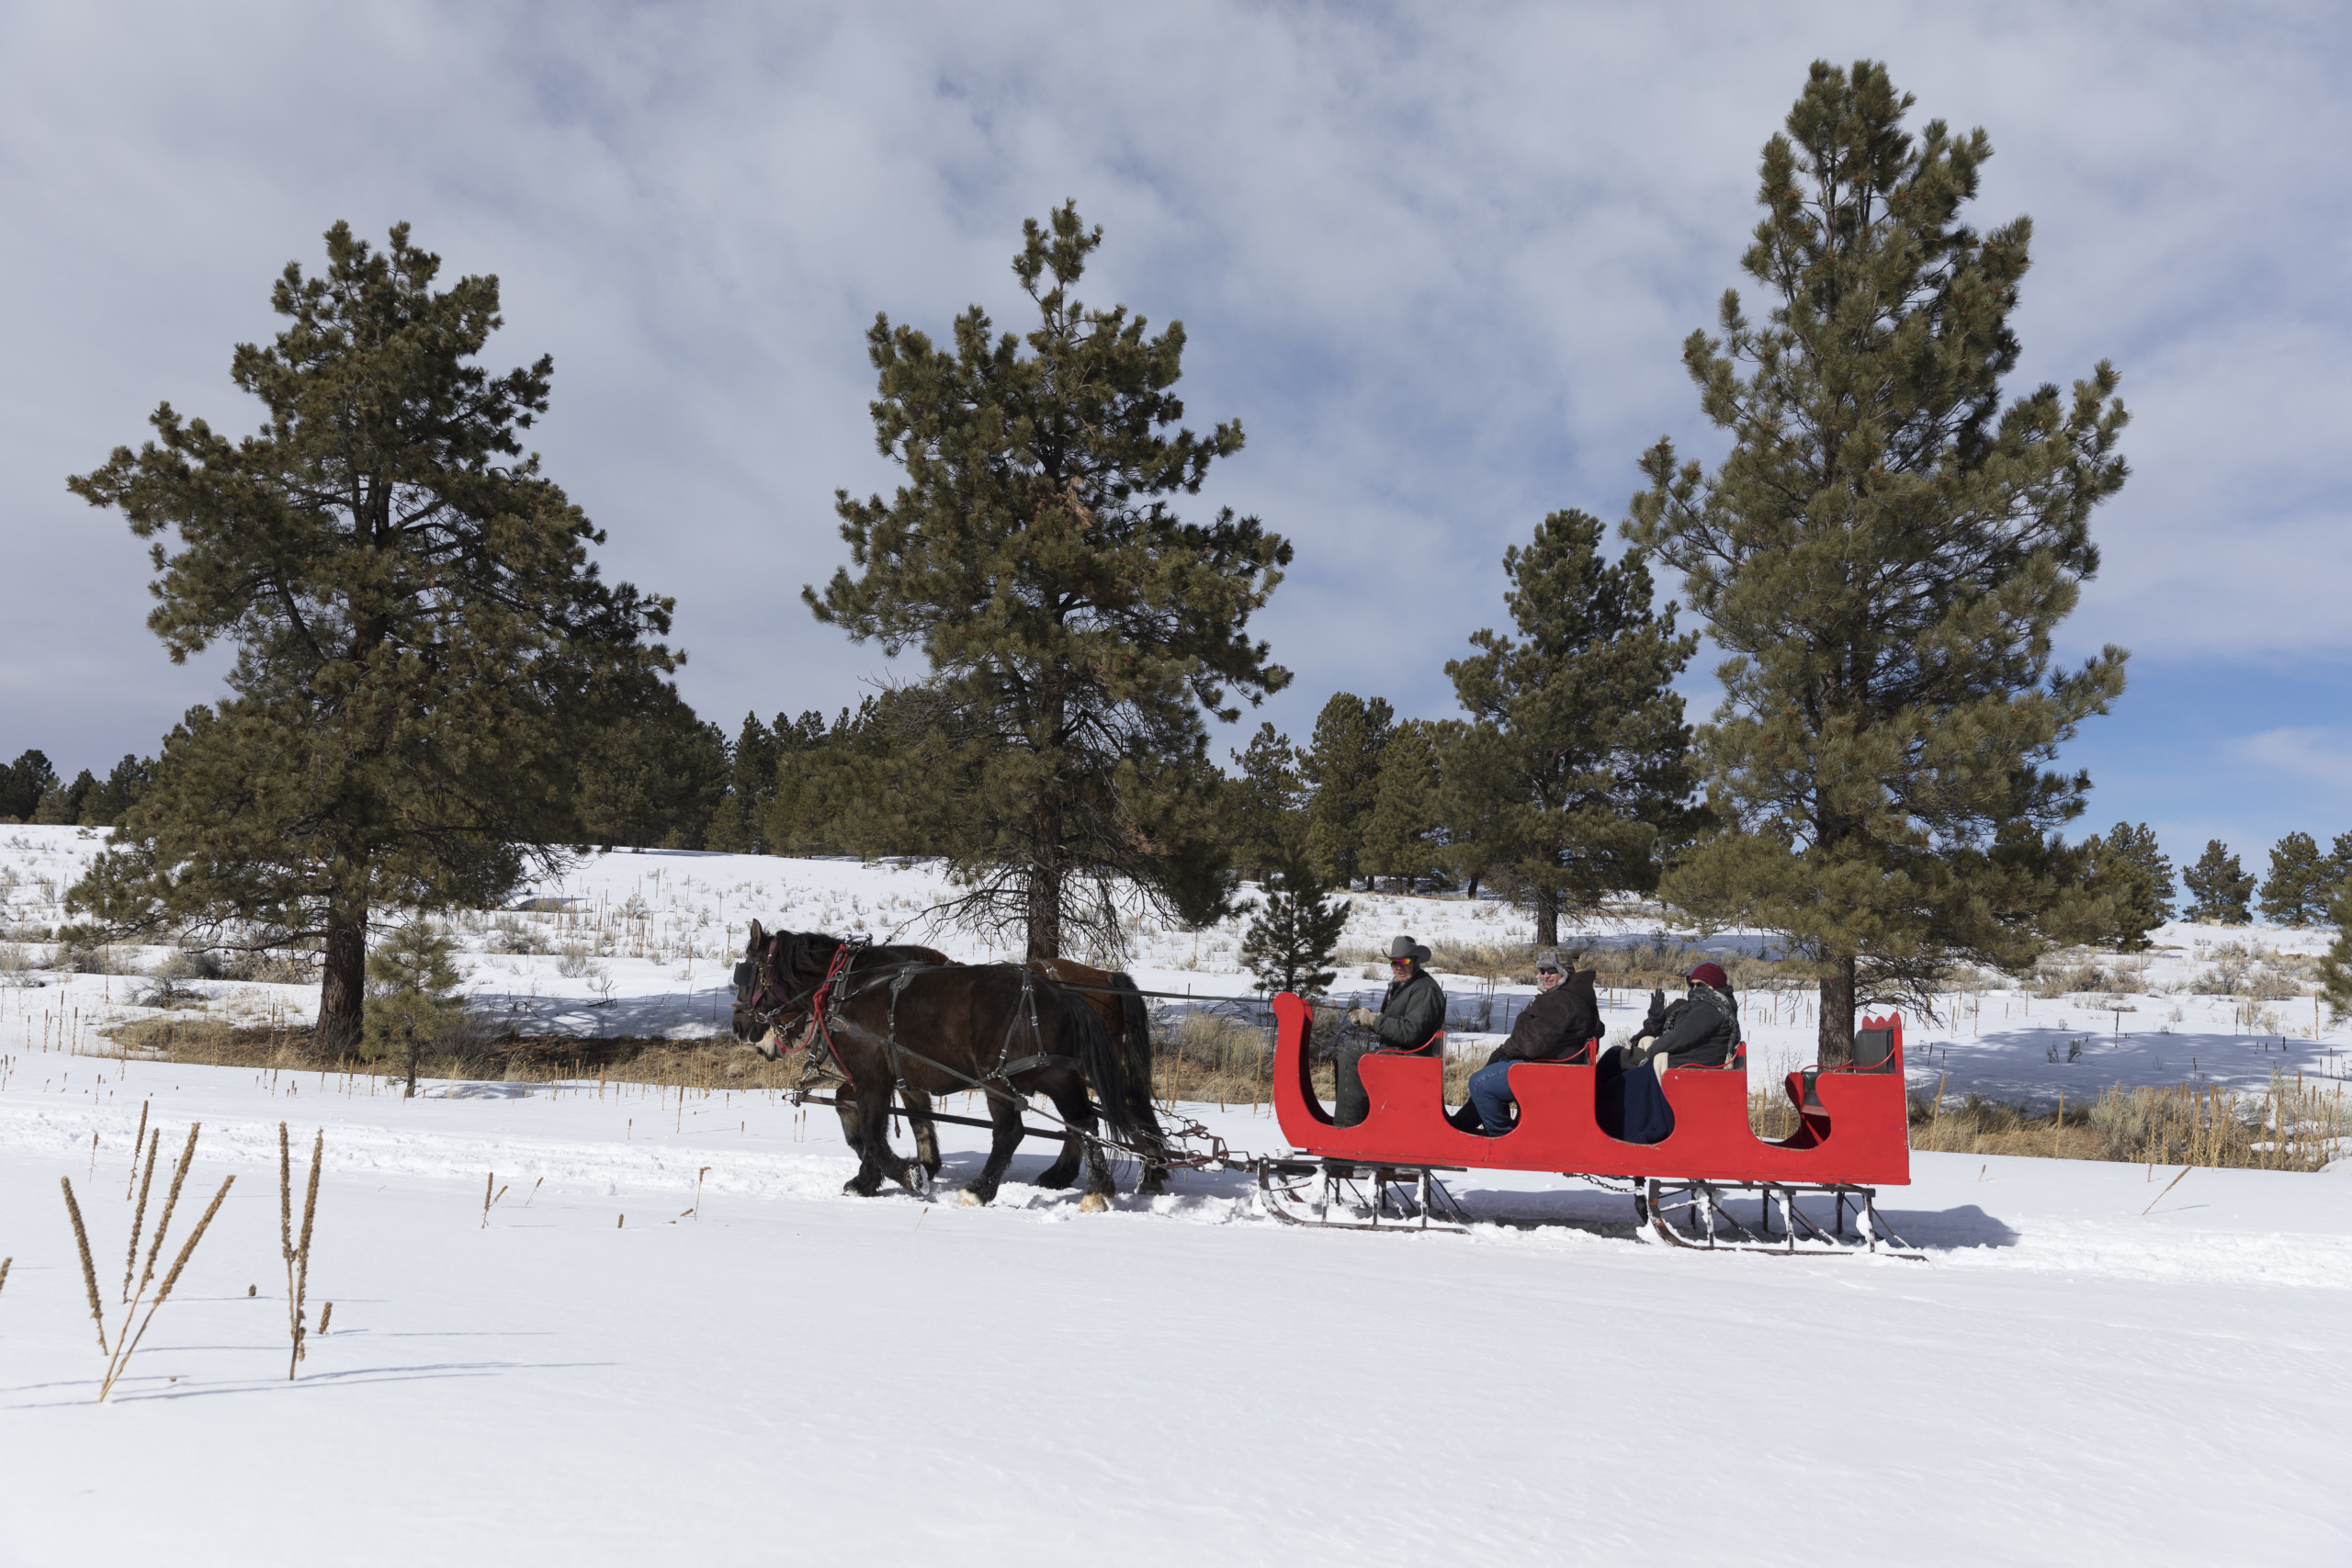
1488, 1111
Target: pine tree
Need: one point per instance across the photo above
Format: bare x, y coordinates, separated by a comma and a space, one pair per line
23, 782
413, 999
1266, 806
422, 640
1295, 931
2335, 963
1076, 627
651, 774
2218, 887
1340, 768
1578, 759
61, 805
124, 784
2296, 892
738, 826
1884, 555
2133, 878
1404, 833
2336, 871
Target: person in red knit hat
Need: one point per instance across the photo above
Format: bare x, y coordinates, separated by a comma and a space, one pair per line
1701, 1029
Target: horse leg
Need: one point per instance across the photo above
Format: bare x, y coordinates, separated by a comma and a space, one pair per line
847, 1111
1004, 1136
926, 1131
1069, 1098
876, 1160
1064, 1170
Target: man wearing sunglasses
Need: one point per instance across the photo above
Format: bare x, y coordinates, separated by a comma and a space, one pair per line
1558, 1025
1410, 1018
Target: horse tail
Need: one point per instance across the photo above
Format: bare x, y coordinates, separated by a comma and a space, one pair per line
1135, 1043
1099, 1060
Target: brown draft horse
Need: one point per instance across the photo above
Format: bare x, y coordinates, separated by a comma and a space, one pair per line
752, 1029
1002, 1028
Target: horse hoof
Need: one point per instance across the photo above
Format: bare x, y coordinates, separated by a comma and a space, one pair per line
1093, 1203
969, 1199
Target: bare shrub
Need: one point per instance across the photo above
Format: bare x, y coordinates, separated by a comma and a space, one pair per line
291, 967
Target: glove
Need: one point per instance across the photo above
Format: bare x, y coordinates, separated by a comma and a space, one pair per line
1363, 1018
1657, 1019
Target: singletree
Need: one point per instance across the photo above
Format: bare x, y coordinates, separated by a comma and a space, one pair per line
1296, 930
1577, 760
2218, 887
2296, 892
2130, 878
1884, 553
1341, 768
1077, 628
1265, 807
422, 640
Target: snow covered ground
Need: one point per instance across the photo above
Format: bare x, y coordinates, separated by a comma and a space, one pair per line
599, 1376
798, 1376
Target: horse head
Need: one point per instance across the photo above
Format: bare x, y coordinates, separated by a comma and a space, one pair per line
757, 985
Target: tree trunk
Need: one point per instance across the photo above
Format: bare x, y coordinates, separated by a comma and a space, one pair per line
1835, 1041
1045, 891
1547, 917
342, 982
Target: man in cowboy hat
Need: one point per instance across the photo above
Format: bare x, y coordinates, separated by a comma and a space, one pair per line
1410, 1017
1559, 1024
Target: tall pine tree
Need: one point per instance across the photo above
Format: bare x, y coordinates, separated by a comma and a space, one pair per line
1884, 553
1578, 745
422, 640
2130, 878
2296, 891
1077, 628
2219, 886
1404, 833
1341, 768
1265, 807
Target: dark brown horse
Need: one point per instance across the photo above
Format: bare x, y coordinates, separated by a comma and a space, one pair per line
752, 1030
1001, 1029
1113, 994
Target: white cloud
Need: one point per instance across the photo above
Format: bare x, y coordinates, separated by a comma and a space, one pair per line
1439, 262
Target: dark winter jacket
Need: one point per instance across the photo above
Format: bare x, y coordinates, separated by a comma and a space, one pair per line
1560, 1022
1411, 1013
1701, 1031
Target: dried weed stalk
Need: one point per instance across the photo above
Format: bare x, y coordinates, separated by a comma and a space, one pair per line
121, 1359
301, 1257
139, 1215
89, 1270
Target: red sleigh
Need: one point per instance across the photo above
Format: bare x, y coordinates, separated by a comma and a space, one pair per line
1852, 1135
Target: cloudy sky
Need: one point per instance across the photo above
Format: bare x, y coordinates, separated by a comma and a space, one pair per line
1437, 260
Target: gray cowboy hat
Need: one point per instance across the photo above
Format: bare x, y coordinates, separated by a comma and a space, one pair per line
1406, 947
